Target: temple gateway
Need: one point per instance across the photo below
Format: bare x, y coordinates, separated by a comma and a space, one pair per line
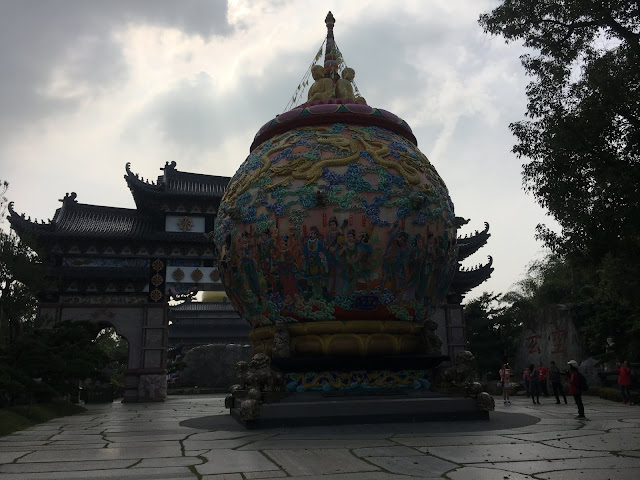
319, 260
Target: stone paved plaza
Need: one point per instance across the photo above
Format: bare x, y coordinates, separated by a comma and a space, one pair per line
195, 438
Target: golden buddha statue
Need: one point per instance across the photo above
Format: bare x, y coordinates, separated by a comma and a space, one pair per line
323, 88
344, 88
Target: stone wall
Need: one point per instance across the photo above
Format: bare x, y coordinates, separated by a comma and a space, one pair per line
213, 365
549, 334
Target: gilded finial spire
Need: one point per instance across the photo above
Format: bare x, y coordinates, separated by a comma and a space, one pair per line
331, 51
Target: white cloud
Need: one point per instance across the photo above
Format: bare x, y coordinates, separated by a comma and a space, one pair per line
105, 83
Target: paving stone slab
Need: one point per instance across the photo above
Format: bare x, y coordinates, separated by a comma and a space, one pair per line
140, 474
327, 461
608, 442
169, 462
539, 466
8, 457
502, 453
196, 453
259, 475
630, 453
164, 444
632, 420
361, 476
285, 443
537, 437
475, 473
104, 454
142, 432
69, 446
612, 424
123, 438
234, 461
385, 452
147, 427
42, 428
23, 448
319, 433
456, 440
77, 438
211, 444
226, 435
594, 474
65, 466
418, 465
161, 427
223, 476
28, 437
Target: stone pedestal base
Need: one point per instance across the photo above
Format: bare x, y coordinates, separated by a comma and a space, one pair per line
339, 408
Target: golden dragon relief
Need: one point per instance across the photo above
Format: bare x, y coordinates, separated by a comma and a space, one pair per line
303, 168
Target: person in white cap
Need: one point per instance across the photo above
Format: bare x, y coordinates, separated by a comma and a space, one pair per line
574, 387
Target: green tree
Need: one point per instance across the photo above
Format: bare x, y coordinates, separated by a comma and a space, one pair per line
603, 299
116, 350
582, 139
581, 147
4, 186
51, 361
492, 331
20, 276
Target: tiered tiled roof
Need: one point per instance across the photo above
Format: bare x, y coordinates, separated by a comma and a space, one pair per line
78, 220
469, 245
174, 184
466, 279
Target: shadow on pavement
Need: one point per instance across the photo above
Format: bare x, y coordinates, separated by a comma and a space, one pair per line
497, 421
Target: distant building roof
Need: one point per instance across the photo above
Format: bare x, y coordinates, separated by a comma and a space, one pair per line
175, 184
468, 245
466, 279
78, 220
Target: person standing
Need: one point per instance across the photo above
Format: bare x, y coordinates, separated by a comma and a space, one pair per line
574, 387
555, 377
534, 384
527, 381
505, 375
624, 380
543, 373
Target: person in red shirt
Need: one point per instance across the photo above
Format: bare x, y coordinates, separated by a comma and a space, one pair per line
574, 387
624, 380
543, 374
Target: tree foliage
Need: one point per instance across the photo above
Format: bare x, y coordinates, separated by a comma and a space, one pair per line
603, 299
492, 331
21, 275
582, 138
47, 362
581, 147
4, 186
116, 349
38, 362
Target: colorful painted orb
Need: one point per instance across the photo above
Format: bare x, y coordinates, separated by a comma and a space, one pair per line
336, 216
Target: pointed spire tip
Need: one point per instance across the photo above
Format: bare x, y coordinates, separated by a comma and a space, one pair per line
329, 19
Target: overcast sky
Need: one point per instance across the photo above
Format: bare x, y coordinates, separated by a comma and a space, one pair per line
89, 85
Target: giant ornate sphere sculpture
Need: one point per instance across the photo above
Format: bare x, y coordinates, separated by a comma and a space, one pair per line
337, 225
